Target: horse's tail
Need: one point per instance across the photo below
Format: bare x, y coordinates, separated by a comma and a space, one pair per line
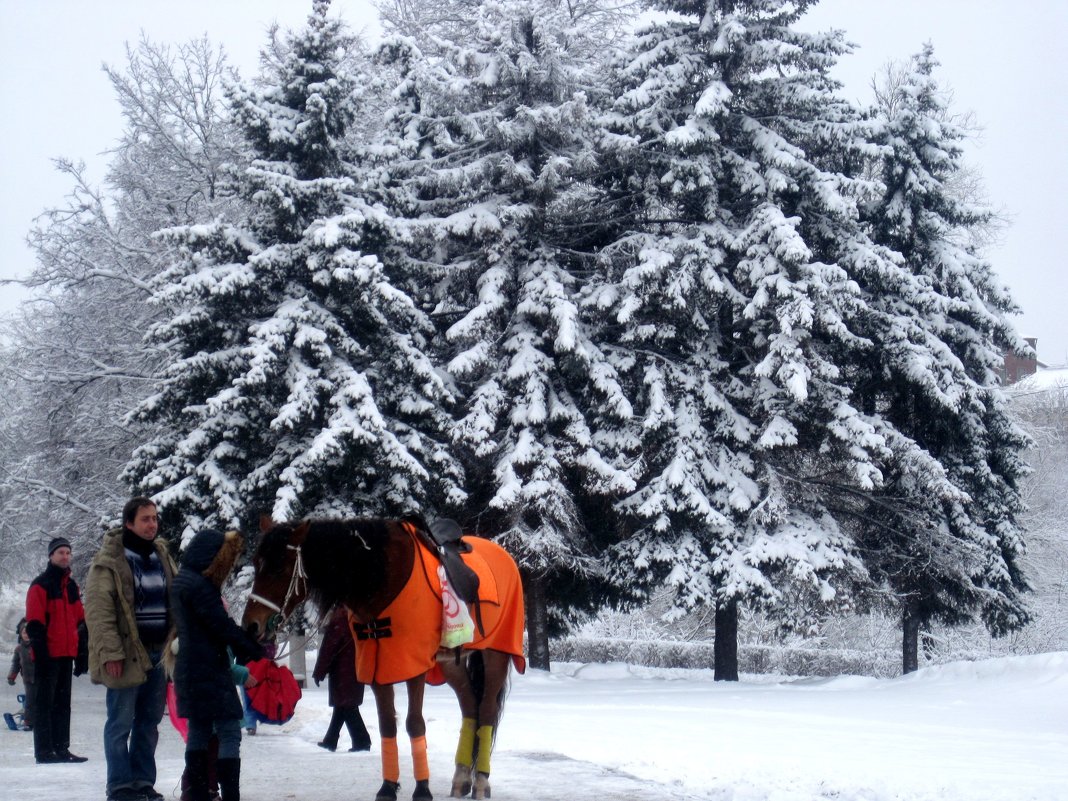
476, 674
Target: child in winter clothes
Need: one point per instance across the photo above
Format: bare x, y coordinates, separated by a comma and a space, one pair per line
337, 659
203, 681
22, 662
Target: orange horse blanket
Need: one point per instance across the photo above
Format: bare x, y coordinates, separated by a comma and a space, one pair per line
402, 642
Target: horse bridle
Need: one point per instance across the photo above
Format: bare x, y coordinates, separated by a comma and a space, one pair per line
297, 584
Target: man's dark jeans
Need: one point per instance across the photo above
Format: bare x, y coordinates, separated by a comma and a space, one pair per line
132, 730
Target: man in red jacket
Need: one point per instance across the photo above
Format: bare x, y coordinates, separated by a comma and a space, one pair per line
55, 622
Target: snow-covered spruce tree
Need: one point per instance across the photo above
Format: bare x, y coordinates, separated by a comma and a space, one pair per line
76, 351
498, 140
1040, 402
446, 23
731, 170
944, 531
300, 382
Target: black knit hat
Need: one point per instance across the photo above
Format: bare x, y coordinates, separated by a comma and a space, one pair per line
58, 542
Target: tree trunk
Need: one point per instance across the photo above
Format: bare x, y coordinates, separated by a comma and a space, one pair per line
537, 610
725, 647
298, 641
910, 638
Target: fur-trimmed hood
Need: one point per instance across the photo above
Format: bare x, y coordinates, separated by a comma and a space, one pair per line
213, 554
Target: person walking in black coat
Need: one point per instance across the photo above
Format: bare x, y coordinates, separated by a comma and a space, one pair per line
337, 659
202, 678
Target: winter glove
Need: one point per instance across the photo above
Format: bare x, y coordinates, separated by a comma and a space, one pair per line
246, 651
11, 678
81, 661
317, 680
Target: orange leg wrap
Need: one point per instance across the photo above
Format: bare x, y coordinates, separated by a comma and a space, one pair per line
420, 765
390, 760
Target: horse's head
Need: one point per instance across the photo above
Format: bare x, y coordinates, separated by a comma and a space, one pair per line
279, 585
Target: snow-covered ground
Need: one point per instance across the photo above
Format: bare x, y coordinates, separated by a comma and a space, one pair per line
984, 731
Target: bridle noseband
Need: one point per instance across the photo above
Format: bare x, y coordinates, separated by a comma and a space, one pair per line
297, 585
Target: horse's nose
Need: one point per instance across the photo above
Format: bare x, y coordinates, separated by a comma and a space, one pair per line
253, 629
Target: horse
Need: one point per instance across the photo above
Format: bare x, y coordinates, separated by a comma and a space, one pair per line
384, 572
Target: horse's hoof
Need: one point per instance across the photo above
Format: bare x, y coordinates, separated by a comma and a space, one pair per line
388, 791
422, 791
482, 787
461, 782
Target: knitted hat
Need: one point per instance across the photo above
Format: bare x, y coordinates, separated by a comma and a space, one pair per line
58, 542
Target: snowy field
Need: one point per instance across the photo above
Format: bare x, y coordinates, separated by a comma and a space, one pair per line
985, 731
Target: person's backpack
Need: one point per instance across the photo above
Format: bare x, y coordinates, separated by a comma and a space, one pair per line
275, 696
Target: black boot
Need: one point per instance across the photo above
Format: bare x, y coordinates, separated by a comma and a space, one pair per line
229, 773
196, 776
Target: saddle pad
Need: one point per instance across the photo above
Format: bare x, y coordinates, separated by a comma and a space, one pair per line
403, 641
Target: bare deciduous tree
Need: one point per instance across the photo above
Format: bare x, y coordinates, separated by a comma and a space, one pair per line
74, 360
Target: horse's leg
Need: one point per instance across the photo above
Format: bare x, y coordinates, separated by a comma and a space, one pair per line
415, 724
455, 672
387, 730
496, 665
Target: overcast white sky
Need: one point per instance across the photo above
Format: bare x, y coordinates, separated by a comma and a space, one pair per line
1005, 60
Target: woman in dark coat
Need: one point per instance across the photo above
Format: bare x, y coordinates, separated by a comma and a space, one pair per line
337, 659
202, 678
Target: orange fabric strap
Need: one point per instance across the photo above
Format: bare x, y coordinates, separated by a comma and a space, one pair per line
390, 760
420, 765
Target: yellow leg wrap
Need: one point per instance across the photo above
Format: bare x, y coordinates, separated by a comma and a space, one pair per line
485, 746
465, 748
390, 760
420, 765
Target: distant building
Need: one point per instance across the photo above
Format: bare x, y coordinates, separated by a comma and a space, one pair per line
1017, 367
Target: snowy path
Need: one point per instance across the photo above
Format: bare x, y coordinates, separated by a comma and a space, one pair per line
989, 731
284, 764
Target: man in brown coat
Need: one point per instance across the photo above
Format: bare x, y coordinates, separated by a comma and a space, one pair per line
127, 612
